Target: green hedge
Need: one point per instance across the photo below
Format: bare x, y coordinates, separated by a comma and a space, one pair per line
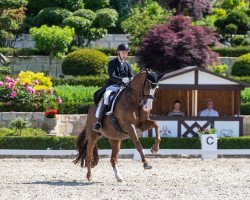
69, 143
20, 51
232, 51
80, 80
245, 108
74, 108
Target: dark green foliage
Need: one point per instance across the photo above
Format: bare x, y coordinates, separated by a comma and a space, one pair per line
80, 80
245, 108
96, 4
241, 67
35, 6
240, 41
69, 143
85, 62
51, 16
105, 18
232, 51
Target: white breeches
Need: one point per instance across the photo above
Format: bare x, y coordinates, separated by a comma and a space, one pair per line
109, 90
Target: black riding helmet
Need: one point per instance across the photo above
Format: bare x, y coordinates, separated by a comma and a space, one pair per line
123, 47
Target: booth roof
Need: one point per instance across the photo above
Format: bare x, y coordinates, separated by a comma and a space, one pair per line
194, 77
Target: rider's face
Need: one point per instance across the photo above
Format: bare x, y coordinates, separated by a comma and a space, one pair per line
123, 54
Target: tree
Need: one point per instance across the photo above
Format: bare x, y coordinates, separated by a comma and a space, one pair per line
176, 45
142, 17
90, 26
193, 8
52, 40
235, 22
12, 15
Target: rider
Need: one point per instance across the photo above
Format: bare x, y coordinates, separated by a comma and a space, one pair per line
119, 72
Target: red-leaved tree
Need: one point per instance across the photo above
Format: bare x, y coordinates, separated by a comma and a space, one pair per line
176, 45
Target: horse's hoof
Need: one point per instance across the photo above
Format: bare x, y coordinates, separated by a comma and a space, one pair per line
119, 180
154, 151
147, 166
89, 177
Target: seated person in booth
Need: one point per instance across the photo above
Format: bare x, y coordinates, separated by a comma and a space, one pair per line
209, 112
177, 109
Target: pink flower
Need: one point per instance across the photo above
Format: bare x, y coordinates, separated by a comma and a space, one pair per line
9, 85
13, 94
9, 80
59, 100
50, 91
31, 89
1, 83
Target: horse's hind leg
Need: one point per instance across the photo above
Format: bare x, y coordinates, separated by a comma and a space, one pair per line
92, 139
115, 145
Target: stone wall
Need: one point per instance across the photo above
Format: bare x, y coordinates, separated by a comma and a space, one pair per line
66, 124
109, 41
69, 125
41, 63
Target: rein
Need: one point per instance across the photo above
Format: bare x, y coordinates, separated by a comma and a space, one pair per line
142, 98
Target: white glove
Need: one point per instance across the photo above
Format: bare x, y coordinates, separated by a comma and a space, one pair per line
125, 80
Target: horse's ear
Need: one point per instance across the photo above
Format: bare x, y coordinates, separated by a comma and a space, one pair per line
160, 76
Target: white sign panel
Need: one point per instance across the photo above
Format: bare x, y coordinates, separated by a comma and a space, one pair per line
227, 128
168, 129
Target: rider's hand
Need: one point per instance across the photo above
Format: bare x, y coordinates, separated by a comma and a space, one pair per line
125, 80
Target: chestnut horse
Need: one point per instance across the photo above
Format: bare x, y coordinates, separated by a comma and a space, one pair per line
131, 111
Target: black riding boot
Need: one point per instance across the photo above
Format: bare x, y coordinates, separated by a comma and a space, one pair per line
103, 110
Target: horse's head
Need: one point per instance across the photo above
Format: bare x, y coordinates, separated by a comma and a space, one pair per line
149, 89
146, 84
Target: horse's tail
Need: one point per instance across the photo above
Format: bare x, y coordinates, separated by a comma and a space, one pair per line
82, 144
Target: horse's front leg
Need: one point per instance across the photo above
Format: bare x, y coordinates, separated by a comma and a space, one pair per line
134, 137
149, 124
115, 145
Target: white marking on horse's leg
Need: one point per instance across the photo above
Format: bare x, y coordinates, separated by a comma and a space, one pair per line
117, 174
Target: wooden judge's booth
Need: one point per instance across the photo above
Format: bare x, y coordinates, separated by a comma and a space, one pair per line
193, 86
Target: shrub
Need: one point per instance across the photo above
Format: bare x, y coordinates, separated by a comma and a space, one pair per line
240, 41
35, 6
97, 4
245, 108
176, 45
74, 107
25, 132
232, 51
36, 80
245, 79
88, 14
51, 16
219, 69
80, 80
85, 62
105, 18
241, 67
23, 97
70, 143
5, 70
245, 95
75, 93
19, 124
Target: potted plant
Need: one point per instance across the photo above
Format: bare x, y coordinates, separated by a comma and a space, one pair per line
50, 121
208, 143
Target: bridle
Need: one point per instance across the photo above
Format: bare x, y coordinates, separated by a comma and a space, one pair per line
143, 97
